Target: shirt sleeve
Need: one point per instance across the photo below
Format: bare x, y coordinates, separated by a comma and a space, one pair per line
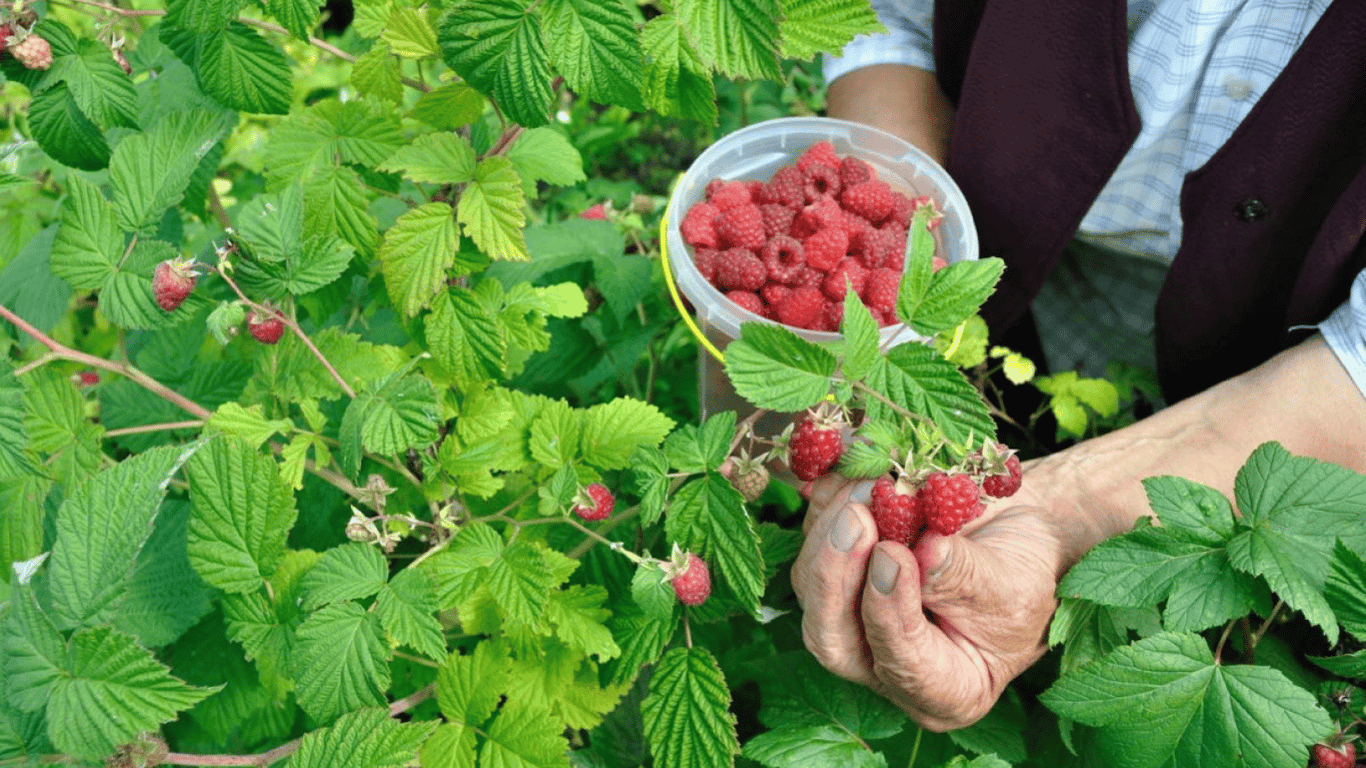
908, 40
1345, 332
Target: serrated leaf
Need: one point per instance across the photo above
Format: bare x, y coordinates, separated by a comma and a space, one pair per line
523, 737
1088, 631
1345, 589
642, 639
687, 712
100, 88
520, 583
407, 607
861, 338
417, 251
797, 693
21, 525
100, 530
701, 447
89, 244
577, 614
677, 82
459, 569
813, 27
243, 70
248, 423
348, 572
35, 652
490, 210
1166, 701
434, 158
165, 597
774, 368
651, 591
812, 746
497, 46
555, 434
65, 132
650, 468
955, 293
707, 516
918, 379
545, 154
408, 33
738, 37
451, 746
297, 16
469, 687
201, 15
401, 413
151, 171
464, 337
242, 514
340, 661
611, 431
367, 738
376, 73
596, 47
452, 106
112, 690
335, 201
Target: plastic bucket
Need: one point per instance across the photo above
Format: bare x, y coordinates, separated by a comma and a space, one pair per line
756, 153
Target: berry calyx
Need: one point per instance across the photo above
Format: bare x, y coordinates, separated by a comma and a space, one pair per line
594, 502
691, 580
949, 501
266, 327
815, 445
172, 281
896, 510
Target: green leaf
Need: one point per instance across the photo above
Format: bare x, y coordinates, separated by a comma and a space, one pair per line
1345, 589
497, 46
340, 661
798, 693
366, 738
651, 591
242, 70
1164, 701
642, 638
955, 293
401, 413
407, 606
651, 476
242, 514
201, 15
738, 37
35, 653
469, 687
917, 378
89, 244
523, 737
490, 210
21, 526
111, 691
577, 614
101, 528
545, 154
336, 202
151, 171
812, 746
707, 516
1088, 631
520, 583
861, 338
687, 712
351, 571
376, 73
417, 251
65, 132
165, 596
453, 105
408, 34
596, 47
612, 431
459, 569
250, 423
677, 82
1001, 732
451, 746
300, 17
100, 88
813, 27
774, 368
464, 337
435, 158
701, 447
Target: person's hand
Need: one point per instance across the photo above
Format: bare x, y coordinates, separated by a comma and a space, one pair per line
940, 630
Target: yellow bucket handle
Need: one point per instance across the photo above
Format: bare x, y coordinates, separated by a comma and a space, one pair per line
673, 289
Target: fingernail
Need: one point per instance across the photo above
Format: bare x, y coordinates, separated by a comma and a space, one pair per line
845, 533
944, 553
882, 572
862, 493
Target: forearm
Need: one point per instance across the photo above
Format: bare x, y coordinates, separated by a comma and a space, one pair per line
899, 99
1302, 398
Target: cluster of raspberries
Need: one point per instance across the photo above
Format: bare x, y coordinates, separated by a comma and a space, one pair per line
789, 248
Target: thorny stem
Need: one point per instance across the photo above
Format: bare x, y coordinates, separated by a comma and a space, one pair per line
746, 427
154, 428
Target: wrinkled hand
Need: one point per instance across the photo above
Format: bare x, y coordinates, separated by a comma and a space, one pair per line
940, 630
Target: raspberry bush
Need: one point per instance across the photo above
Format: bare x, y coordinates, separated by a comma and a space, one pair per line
344, 418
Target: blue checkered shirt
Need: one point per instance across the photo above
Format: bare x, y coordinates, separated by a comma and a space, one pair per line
1196, 69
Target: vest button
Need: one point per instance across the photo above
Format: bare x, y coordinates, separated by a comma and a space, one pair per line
1251, 209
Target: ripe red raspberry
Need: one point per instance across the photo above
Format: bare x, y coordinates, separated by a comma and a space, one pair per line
872, 200
705, 259
783, 256
692, 582
845, 274
1325, 756
774, 293
738, 269
822, 152
902, 208
729, 194
595, 212
896, 510
832, 316
819, 215
33, 51
880, 289
265, 327
1001, 486
742, 226
814, 447
777, 219
172, 281
826, 248
699, 226
854, 171
808, 277
870, 246
594, 502
747, 300
949, 501
821, 181
785, 188
801, 309
85, 379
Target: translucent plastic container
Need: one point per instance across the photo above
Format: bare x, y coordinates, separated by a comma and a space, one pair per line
756, 153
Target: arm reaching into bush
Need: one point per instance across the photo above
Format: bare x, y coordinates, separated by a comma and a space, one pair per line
941, 630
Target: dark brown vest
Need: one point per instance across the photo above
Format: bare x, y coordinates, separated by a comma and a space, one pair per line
1273, 223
